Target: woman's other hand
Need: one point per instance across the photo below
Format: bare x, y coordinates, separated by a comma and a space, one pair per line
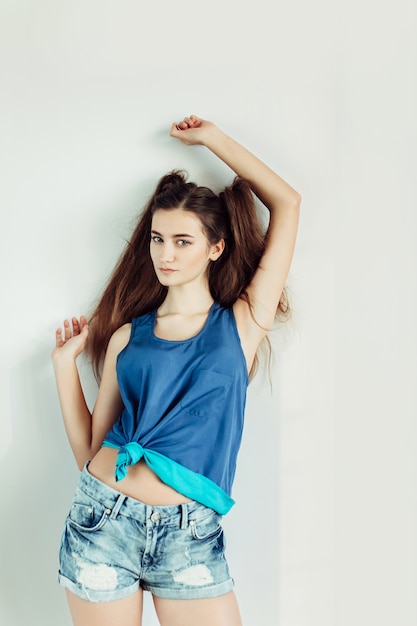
70, 343
193, 130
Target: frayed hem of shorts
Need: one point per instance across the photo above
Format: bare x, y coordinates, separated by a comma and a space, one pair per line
191, 593
94, 595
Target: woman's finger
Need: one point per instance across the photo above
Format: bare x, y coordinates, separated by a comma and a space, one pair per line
75, 326
67, 330
58, 338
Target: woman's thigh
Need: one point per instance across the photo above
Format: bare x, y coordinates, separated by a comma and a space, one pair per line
220, 611
127, 611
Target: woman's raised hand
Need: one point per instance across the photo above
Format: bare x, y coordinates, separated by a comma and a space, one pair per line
192, 130
72, 341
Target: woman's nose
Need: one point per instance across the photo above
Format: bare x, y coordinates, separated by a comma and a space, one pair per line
167, 253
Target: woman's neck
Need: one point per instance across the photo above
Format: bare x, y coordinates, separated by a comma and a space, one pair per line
183, 301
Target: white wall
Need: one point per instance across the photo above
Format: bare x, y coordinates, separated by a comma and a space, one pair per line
324, 530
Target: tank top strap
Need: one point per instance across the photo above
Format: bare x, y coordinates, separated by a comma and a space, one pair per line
142, 322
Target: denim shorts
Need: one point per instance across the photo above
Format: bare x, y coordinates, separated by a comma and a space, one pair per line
113, 544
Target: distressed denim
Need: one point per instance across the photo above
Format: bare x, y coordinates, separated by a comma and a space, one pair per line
113, 544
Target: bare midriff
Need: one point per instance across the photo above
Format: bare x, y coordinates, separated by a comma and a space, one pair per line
140, 483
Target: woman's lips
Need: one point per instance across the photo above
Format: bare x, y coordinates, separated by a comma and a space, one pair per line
166, 270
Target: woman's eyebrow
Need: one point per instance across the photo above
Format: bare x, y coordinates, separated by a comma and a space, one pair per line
155, 232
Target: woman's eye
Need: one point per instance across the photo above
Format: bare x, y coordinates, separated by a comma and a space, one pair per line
157, 239
183, 242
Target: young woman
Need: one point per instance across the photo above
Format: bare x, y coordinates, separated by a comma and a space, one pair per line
173, 342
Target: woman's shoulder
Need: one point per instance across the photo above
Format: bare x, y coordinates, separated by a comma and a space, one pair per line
123, 333
120, 337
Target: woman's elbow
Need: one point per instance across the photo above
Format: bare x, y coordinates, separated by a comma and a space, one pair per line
81, 460
297, 200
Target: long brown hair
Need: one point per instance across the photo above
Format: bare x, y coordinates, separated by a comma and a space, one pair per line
133, 288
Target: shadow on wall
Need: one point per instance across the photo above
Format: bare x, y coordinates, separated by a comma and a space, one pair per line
39, 476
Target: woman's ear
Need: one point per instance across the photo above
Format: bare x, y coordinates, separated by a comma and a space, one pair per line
216, 250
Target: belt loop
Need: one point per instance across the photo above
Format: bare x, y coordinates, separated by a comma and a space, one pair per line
184, 516
117, 506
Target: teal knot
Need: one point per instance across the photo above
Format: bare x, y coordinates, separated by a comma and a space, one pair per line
129, 454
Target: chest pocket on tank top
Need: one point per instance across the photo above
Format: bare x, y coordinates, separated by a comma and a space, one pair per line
206, 393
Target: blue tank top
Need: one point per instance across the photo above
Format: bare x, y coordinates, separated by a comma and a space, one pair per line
184, 405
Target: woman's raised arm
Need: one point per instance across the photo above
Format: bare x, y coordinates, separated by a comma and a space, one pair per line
283, 203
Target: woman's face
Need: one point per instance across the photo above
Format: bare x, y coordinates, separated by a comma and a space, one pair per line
179, 249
